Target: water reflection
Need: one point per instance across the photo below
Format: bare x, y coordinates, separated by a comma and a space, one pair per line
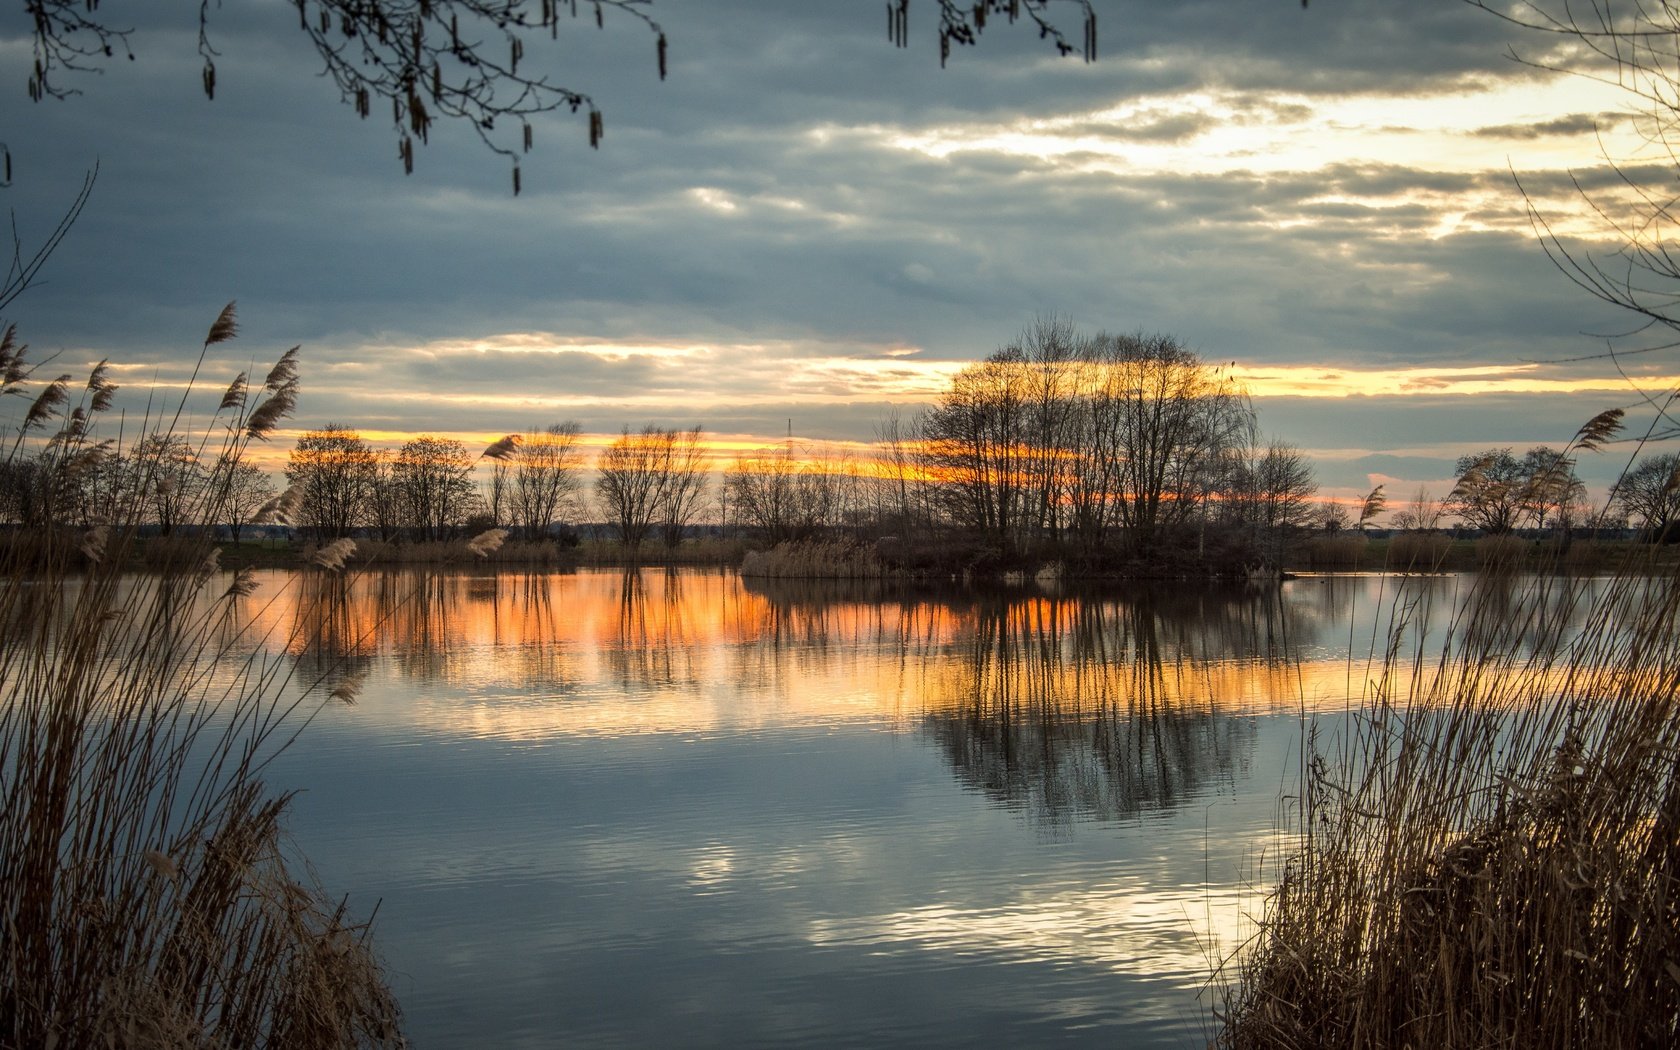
1063, 706
930, 816
1076, 711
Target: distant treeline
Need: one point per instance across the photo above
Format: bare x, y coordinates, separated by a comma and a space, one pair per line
1101, 452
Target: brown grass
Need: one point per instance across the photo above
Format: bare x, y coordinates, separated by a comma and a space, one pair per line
816, 559
712, 552
1418, 551
147, 897
450, 553
1505, 553
1344, 550
1488, 854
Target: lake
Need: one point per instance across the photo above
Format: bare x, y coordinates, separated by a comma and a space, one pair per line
653, 808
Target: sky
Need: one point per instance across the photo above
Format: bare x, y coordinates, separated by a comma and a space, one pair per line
804, 227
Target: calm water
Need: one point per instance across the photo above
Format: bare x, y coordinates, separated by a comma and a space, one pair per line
682, 809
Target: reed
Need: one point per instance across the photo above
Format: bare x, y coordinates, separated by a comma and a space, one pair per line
1418, 551
147, 893
701, 552
1506, 553
1488, 851
816, 559
1340, 551
452, 553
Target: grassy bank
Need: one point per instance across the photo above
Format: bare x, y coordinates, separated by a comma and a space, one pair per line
1439, 552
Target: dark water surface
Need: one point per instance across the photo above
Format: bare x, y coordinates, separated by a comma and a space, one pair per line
661, 809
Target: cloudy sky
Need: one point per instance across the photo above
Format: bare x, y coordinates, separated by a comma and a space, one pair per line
806, 223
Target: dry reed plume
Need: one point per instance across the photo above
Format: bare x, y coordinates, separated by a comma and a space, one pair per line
147, 898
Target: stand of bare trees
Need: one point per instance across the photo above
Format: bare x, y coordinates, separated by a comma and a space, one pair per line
1093, 445
545, 478
651, 480
1089, 450
788, 494
1650, 492
1498, 491
433, 480
333, 473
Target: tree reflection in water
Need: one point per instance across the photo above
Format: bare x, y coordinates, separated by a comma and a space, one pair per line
1100, 709
1078, 707
1063, 705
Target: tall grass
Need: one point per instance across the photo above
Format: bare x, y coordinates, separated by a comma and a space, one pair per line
1344, 550
147, 894
1489, 852
816, 559
709, 551
452, 553
1418, 551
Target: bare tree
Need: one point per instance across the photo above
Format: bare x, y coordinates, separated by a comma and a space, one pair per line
897, 476
545, 477
1274, 491
761, 489
1167, 423
1492, 491
973, 445
1552, 488
241, 491
1651, 493
1422, 512
630, 482
685, 491
433, 477
789, 493
171, 479
386, 513
497, 489
332, 470
1332, 516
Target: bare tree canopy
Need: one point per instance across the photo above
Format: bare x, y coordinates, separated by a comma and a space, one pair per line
545, 477
1062, 433
651, 480
630, 482
465, 60
1650, 492
1421, 512
240, 490
432, 477
1498, 491
332, 471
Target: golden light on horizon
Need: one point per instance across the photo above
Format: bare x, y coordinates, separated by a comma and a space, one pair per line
1320, 381
551, 656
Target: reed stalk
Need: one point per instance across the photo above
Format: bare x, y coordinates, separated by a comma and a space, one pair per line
148, 896
1489, 849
